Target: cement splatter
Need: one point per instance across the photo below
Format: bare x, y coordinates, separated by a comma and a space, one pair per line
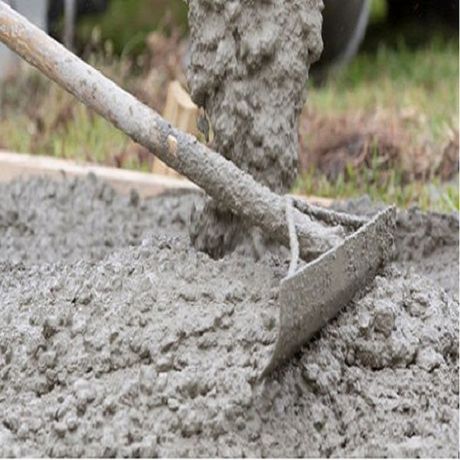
118, 338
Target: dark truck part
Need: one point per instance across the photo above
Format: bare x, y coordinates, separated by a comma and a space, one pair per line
345, 23
424, 10
56, 8
344, 27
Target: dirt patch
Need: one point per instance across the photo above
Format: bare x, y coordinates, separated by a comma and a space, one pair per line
117, 338
377, 140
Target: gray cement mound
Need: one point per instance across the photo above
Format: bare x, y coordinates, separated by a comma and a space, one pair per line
117, 338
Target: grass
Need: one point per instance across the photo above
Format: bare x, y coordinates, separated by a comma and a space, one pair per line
422, 81
41, 118
433, 195
414, 88
126, 24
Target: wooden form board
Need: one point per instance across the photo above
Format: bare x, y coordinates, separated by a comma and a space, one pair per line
19, 165
182, 113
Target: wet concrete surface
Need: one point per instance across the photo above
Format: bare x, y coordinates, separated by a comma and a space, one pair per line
118, 338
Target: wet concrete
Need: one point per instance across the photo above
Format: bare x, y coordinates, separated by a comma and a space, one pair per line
118, 338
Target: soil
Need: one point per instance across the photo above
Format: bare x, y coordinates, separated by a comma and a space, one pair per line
118, 338
352, 140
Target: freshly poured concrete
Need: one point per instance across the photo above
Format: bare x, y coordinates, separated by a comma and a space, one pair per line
118, 338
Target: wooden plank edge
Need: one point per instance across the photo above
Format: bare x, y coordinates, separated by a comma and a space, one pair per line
22, 165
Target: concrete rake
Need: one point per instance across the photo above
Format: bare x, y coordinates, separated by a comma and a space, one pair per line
339, 266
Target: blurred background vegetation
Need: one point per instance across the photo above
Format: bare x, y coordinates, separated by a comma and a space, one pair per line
385, 125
